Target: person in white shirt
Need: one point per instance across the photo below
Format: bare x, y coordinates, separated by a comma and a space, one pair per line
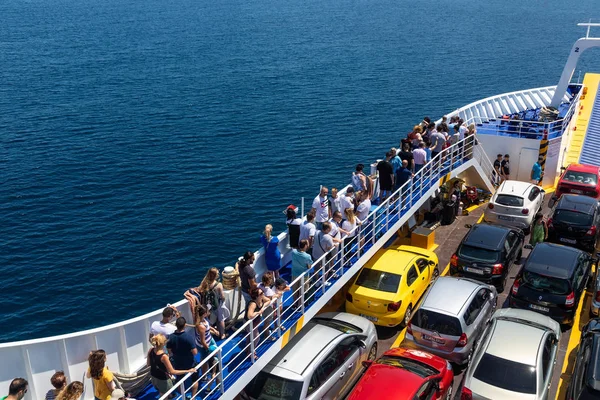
349, 226
308, 230
363, 209
320, 207
334, 201
347, 201
165, 326
420, 157
324, 242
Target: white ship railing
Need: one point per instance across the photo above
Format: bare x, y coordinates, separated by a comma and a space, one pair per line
526, 129
508, 103
318, 285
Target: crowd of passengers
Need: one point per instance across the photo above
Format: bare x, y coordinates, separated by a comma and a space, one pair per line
333, 219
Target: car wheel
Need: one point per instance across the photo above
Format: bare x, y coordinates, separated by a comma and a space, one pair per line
449, 393
372, 353
408, 315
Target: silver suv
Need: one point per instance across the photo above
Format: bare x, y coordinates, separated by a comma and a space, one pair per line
323, 361
452, 318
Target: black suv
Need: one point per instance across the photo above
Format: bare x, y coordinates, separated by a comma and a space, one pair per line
585, 382
574, 221
486, 254
552, 281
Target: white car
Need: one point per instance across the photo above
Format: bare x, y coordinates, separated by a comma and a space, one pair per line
515, 203
515, 359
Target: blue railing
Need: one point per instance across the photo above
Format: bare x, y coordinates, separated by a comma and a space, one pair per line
254, 347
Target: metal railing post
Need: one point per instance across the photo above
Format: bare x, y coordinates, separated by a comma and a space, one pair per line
358, 247
302, 299
182, 388
220, 358
279, 305
374, 228
387, 215
323, 276
252, 354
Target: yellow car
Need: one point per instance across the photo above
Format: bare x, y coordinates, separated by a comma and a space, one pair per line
389, 286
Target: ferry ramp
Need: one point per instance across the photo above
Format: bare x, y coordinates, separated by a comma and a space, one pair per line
590, 126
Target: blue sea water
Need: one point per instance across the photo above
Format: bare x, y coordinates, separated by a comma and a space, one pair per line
142, 142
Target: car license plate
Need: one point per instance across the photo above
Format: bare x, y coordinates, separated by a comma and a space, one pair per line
576, 191
433, 339
370, 318
570, 241
473, 270
539, 308
505, 218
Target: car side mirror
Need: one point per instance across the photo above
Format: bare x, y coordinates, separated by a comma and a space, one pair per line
361, 344
468, 226
528, 247
431, 262
367, 363
542, 190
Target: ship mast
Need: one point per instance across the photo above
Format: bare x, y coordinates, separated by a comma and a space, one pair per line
579, 47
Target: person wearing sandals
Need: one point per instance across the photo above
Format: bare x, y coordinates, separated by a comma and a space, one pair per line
272, 253
212, 291
204, 339
161, 368
254, 310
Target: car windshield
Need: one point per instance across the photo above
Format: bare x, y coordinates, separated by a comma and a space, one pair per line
413, 366
477, 253
378, 280
584, 178
435, 322
509, 200
341, 326
270, 387
506, 374
547, 284
572, 217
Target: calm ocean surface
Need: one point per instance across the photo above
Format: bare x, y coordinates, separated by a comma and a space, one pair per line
142, 142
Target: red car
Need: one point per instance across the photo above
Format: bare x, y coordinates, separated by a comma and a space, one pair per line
405, 374
579, 179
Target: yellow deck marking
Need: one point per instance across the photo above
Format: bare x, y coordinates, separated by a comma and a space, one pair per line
581, 318
402, 333
590, 82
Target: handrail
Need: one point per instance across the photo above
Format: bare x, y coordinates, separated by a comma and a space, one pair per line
325, 270
528, 129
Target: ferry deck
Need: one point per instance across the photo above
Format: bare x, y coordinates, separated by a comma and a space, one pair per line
573, 137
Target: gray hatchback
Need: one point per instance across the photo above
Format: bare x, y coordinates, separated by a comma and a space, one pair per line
452, 318
323, 361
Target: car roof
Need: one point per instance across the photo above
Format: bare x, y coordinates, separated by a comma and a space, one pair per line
553, 260
516, 188
487, 236
583, 168
303, 349
449, 294
395, 258
575, 202
514, 341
